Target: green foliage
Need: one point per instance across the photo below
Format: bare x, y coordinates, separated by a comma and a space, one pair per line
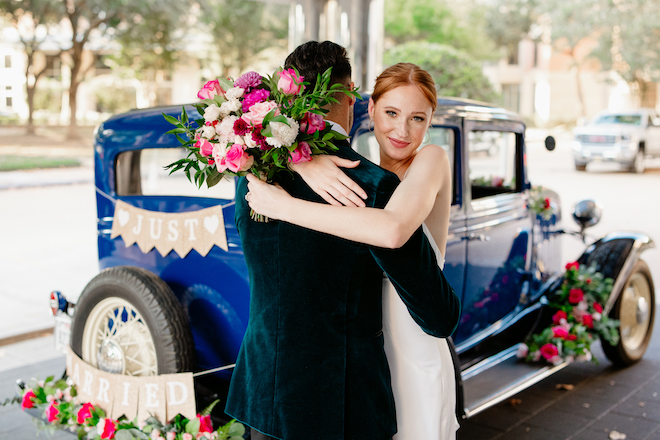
454, 72
436, 21
507, 22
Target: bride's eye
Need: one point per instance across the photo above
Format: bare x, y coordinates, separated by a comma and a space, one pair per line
418, 119
390, 113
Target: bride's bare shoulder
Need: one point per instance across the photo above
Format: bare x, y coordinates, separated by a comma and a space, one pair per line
434, 154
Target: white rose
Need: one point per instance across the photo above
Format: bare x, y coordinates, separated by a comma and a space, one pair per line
208, 131
219, 150
249, 142
234, 93
225, 129
212, 113
227, 107
283, 134
596, 316
582, 305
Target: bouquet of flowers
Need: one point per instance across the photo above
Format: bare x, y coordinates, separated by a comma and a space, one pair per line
255, 124
540, 203
578, 321
62, 409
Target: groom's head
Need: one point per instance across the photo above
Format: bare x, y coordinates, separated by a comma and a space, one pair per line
312, 59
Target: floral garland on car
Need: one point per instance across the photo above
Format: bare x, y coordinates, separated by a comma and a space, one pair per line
256, 124
57, 400
578, 320
541, 204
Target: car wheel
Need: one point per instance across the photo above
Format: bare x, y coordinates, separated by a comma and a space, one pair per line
635, 309
637, 166
128, 321
580, 166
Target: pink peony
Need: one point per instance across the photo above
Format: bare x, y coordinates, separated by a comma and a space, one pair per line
259, 111
248, 80
575, 296
205, 147
205, 424
27, 401
560, 332
210, 89
258, 95
548, 351
312, 123
290, 82
574, 265
52, 412
106, 428
84, 413
557, 317
301, 154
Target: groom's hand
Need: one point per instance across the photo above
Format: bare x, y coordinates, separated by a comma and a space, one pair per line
325, 178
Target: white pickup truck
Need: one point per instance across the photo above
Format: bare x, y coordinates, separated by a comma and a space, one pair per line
626, 137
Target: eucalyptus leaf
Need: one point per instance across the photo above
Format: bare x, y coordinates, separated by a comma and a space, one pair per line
123, 434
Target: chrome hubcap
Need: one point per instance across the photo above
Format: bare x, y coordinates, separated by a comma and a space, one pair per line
635, 312
110, 358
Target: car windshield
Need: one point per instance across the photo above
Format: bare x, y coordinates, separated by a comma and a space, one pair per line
619, 119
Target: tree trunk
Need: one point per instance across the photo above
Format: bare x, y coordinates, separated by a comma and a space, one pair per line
578, 83
72, 132
30, 100
648, 92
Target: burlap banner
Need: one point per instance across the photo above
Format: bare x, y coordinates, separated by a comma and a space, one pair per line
181, 232
162, 396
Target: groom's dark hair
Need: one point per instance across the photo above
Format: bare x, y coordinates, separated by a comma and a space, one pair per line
314, 58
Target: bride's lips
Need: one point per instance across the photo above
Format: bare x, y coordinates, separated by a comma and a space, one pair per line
398, 144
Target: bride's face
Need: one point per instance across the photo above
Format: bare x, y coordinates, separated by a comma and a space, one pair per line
401, 118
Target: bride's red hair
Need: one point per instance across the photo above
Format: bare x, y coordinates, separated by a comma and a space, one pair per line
403, 74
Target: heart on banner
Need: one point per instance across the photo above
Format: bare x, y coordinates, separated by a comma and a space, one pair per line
211, 223
123, 217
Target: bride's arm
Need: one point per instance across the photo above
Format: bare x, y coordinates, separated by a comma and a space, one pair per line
428, 178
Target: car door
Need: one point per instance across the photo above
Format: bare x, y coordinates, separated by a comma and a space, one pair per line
498, 227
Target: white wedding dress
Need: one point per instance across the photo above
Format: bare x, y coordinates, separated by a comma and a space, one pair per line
422, 371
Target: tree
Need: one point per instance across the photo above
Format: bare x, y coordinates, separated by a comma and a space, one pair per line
32, 20
510, 21
241, 30
434, 21
455, 73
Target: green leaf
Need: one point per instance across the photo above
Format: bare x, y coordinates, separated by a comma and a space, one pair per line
184, 116
139, 434
236, 429
193, 426
177, 130
123, 434
213, 179
225, 83
171, 119
207, 411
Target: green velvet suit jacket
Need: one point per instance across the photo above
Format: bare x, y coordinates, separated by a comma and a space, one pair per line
312, 364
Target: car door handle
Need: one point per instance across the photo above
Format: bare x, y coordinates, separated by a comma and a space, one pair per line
478, 237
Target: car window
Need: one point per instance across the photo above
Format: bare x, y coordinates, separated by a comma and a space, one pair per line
142, 172
367, 145
619, 119
492, 162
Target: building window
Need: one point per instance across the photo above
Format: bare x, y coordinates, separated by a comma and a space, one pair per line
8, 61
9, 102
511, 96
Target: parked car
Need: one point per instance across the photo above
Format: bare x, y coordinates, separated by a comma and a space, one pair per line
148, 314
626, 137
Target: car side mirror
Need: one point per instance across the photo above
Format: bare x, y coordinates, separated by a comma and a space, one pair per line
587, 213
550, 143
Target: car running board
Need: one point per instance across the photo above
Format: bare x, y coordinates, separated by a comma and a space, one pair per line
499, 377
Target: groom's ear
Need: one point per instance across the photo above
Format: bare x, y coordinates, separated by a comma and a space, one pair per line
353, 98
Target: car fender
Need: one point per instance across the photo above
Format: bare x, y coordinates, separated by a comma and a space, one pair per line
614, 256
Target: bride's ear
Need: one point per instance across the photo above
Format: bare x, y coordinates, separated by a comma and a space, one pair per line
371, 108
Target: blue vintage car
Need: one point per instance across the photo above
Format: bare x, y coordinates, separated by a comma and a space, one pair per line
147, 314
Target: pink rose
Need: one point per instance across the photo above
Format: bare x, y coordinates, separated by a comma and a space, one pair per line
557, 317
290, 83
235, 160
574, 265
312, 123
210, 89
575, 296
106, 428
560, 332
84, 413
259, 111
301, 154
27, 401
171, 436
52, 412
588, 321
187, 436
523, 351
598, 308
497, 181
548, 351
205, 424
205, 147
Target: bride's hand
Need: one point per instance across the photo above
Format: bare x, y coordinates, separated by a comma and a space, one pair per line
323, 175
266, 199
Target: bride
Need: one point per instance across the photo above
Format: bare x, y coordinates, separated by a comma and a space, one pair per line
401, 108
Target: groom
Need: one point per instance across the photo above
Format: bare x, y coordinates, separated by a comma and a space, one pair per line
312, 365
